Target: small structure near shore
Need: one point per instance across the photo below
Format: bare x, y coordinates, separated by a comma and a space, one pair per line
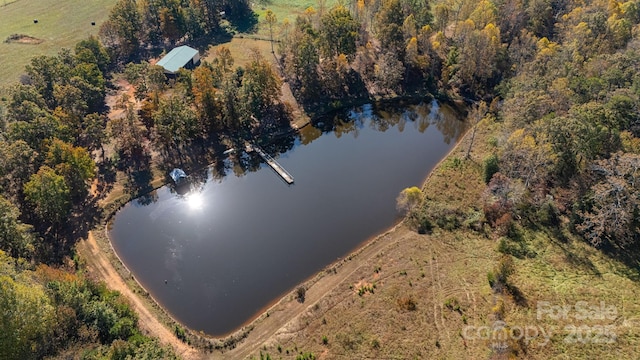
178, 176
180, 57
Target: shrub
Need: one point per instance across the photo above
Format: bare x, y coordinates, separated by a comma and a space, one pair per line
473, 220
448, 221
421, 222
489, 167
325, 340
437, 214
453, 304
516, 247
491, 278
452, 163
407, 303
501, 196
547, 214
301, 294
362, 290
492, 141
504, 225
306, 356
180, 334
505, 268
375, 344
498, 309
499, 277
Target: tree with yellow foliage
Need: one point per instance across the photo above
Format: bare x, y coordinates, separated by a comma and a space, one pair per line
409, 199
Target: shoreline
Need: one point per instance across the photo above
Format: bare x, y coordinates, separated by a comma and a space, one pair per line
238, 338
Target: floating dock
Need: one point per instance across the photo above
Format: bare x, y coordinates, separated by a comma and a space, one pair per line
271, 162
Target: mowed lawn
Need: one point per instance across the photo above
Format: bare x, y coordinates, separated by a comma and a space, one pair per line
61, 23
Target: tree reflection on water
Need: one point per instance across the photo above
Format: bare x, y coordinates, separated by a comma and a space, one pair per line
379, 117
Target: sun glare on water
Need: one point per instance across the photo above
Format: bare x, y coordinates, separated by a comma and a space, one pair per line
195, 200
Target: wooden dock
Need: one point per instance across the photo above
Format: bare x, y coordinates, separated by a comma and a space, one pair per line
271, 162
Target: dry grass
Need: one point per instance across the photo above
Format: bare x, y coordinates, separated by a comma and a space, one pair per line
242, 50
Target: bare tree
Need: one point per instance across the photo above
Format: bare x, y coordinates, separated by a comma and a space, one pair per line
271, 19
614, 202
475, 116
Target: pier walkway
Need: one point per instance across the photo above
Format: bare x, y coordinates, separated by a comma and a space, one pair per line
271, 162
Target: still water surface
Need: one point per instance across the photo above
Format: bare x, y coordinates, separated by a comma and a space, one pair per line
239, 242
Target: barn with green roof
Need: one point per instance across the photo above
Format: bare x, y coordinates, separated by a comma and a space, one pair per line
180, 57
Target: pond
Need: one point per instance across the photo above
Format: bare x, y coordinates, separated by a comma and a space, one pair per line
217, 256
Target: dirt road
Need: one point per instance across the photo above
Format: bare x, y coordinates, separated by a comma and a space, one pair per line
99, 265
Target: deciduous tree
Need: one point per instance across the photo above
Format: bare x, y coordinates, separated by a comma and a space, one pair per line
17, 162
74, 163
528, 158
16, 238
613, 204
26, 316
260, 86
126, 133
121, 33
409, 199
49, 195
175, 123
338, 32
389, 25
205, 96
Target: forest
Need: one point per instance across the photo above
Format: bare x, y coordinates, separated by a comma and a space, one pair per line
560, 77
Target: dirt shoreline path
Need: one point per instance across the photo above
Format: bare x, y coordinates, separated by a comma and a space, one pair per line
100, 266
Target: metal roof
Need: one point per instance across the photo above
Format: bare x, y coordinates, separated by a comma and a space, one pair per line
177, 58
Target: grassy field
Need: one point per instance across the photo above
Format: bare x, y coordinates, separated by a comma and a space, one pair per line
241, 50
61, 23
286, 9
7, 2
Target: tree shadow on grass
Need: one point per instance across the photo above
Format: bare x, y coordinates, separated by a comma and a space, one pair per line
629, 256
626, 261
517, 295
139, 179
139, 182
58, 240
247, 24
